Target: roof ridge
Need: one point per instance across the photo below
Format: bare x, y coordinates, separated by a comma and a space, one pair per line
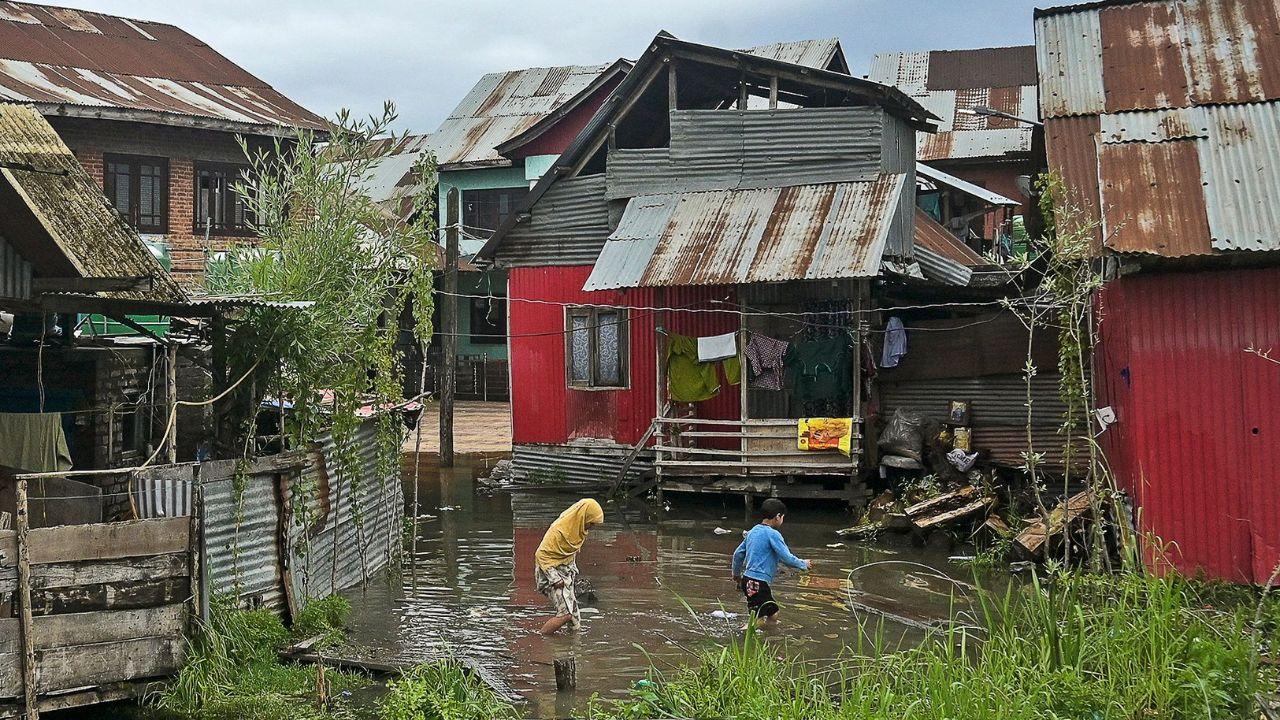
98, 13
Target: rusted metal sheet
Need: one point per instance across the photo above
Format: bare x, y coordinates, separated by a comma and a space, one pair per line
1069, 56
15, 273
568, 225
938, 177
1154, 125
1195, 444
164, 491
66, 203
1145, 36
1241, 177
1072, 146
941, 255
821, 231
501, 106
982, 68
823, 54
1230, 50
85, 62
241, 532
950, 84
1152, 198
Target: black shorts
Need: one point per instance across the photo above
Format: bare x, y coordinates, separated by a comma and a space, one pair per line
759, 596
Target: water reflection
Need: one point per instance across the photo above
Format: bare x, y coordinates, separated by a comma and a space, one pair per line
467, 588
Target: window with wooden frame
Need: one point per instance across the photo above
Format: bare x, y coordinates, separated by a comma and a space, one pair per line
596, 347
138, 188
217, 204
488, 321
484, 211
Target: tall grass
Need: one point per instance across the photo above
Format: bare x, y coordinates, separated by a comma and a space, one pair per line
1085, 647
442, 691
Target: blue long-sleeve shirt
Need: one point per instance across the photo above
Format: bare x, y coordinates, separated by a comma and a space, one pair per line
760, 552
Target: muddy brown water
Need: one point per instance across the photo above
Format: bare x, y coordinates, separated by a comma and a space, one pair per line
468, 591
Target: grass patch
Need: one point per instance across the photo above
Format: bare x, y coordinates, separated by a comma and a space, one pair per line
326, 617
233, 672
1084, 647
442, 691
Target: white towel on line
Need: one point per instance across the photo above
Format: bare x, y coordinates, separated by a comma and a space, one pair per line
717, 347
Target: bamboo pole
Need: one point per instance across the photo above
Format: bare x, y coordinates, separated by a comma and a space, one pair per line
22, 524
449, 318
171, 399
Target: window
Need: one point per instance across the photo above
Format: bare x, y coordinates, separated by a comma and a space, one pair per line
138, 188
488, 321
483, 211
596, 347
217, 202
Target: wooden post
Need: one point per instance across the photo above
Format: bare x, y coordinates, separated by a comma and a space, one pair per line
673, 89
743, 413
218, 340
660, 380
195, 542
566, 673
171, 400
773, 92
22, 524
742, 90
449, 320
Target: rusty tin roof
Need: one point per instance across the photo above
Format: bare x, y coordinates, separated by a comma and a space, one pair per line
76, 62
1163, 118
950, 82
66, 207
824, 53
725, 237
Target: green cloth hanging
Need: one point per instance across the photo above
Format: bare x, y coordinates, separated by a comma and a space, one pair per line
687, 379
733, 369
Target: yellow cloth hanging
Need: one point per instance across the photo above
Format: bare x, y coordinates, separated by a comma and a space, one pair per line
825, 434
566, 535
687, 379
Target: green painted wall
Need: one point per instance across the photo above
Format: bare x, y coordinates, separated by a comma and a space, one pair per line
477, 179
479, 283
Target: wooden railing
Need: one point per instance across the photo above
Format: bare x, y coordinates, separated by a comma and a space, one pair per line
765, 447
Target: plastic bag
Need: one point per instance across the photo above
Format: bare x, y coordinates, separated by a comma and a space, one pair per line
904, 434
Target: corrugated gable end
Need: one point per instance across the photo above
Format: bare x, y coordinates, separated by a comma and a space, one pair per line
1069, 58
567, 226
71, 208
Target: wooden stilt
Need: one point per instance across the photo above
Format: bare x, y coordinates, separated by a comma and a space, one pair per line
566, 673
22, 524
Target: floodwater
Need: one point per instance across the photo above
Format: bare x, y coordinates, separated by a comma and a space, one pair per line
466, 588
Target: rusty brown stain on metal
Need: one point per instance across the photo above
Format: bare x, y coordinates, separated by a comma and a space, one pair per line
1071, 145
1233, 59
774, 229
982, 68
1006, 100
1142, 57
554, 80
470, 140
936, 146
498, 95
967, 100
1153, 199
1175, 125
931, 235
692, 265
810, 234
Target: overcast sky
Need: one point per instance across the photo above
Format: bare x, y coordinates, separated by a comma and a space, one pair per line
425, 54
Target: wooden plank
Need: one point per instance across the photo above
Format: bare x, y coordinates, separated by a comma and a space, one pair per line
950, 515
111, 692
110, 596
938, 501
105, 541
8, 548
9, 636
55, 631
124, 570
1034, 537
11, 674
27, 654
99, 663
8, 582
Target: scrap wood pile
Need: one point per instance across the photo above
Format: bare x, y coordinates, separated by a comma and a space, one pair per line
910, 512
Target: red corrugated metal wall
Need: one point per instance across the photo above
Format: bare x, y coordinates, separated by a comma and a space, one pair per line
1198, 439
544, 409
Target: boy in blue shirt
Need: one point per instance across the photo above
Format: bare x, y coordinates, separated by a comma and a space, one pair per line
755, 562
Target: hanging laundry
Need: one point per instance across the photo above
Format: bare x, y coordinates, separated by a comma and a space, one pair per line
765, 359
717, 347
825, 434
687, 379
732, 370
819, 370
33, 442
895, 343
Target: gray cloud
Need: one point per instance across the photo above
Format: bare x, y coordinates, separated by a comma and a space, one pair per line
328, 54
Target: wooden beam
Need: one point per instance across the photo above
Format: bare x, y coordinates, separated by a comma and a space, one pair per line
106, 541
25, 624
449, 321
617, 119
91, 285
673, 86
773, 92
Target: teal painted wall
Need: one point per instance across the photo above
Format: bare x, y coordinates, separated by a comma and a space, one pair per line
479, 283
535, 166
477, 179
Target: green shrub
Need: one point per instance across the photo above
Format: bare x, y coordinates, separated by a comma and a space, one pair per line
326, 617
442, 691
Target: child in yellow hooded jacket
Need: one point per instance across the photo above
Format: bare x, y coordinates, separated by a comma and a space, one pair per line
556, 566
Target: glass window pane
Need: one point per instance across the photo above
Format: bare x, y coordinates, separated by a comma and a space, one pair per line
607, 334
580, 348
118, 181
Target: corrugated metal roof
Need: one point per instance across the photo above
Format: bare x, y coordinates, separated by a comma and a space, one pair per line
725, 237
15, 273
1152, 198
91, 64
70, 209
1069, 55
390, 181
820, 53
965, 186
950, 82
941, 256
501, 106
1241, 175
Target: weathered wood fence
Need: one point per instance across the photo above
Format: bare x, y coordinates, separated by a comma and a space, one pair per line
90, 613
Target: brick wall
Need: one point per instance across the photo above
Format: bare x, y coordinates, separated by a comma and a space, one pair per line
90, 139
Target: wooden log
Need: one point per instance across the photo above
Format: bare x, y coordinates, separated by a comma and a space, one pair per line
939, 501
997, 525
28, 652
952, 515
85, 665
107, 541
110, 596
125, 570
566, 673
860, 531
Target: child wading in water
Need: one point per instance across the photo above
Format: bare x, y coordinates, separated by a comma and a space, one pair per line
556, 561
755, 562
